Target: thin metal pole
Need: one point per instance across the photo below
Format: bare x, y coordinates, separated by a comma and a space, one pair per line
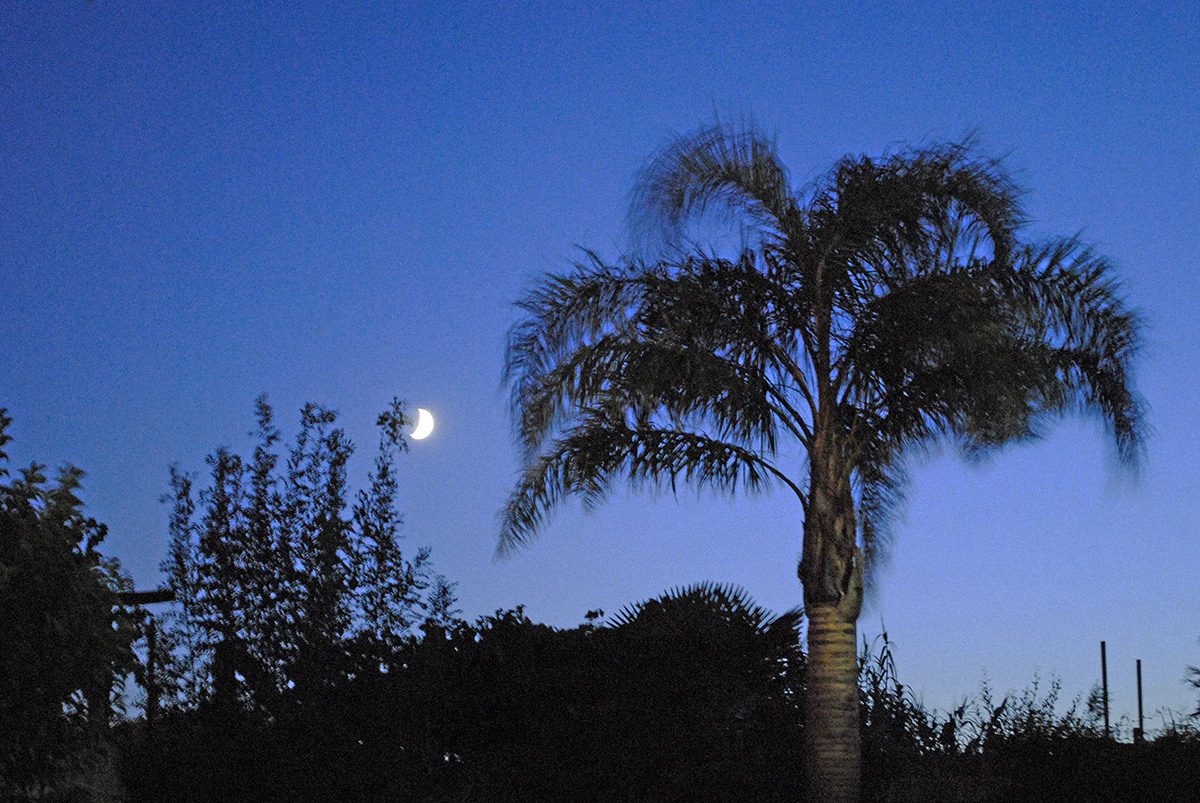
1141, 731
1104, 680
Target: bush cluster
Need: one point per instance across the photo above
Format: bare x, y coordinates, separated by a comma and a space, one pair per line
693, 696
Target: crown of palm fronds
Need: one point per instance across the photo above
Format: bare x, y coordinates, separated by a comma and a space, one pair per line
891, 304
706, 602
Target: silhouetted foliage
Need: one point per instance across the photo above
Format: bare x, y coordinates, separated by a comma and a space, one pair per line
284, 585
64, 639
1193, 679
693, 696
1019, 748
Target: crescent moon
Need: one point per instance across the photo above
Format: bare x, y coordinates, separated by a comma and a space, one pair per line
424, 424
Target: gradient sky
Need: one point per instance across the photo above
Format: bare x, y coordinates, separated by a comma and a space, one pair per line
339, 202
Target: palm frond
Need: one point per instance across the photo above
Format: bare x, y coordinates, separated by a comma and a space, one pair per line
564, 313
877, 224
604, 448
724, 602
882, 484
737, 170
1073, 304
696, 342
986, 353
565, 309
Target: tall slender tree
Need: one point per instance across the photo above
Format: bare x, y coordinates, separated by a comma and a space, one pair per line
888, 307
284, 586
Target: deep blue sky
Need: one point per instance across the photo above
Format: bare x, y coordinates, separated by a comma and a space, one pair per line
339, 202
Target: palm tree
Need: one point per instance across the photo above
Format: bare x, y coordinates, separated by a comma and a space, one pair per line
887, 308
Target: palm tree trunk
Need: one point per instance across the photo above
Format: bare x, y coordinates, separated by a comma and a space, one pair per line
831, 572
831, 735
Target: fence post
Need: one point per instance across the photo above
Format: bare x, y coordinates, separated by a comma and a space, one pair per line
1104, 680
1139, 735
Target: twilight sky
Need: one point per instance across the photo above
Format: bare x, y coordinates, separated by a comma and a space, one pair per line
339, 202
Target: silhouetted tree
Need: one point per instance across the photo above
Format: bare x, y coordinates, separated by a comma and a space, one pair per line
64, 639
888, 307
282, 590
708, 699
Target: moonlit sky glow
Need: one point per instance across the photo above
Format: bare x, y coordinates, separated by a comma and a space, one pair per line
339, 202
